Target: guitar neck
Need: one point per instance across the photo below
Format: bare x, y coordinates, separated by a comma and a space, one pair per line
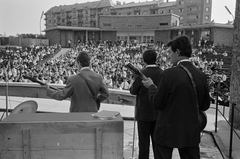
35, 80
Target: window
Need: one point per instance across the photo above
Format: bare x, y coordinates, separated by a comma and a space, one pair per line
154, 12
148, 39
193, 9
207, 9
145, 13
207, 1
107, 24
170, 10
181, 2
137, 13
193, 17
207, 17
180, 9
181, 17
162, 12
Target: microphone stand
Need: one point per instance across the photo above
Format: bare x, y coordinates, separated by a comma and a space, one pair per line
6, 97
6, 83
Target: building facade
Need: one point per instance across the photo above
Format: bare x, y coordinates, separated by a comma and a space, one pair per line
145, 22
88, 14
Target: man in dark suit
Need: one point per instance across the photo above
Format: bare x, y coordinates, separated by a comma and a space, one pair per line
85, 89
177, 124
146, 115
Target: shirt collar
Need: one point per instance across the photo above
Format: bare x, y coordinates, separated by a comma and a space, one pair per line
151, 65
84, 68
183, 60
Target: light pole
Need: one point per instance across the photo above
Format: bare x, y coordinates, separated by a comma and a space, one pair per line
229, 12
40, 26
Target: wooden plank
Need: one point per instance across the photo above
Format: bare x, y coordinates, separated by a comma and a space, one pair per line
55, 117
79, 136
99, 143
26, 143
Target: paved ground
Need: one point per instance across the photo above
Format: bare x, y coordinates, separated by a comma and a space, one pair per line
210, 141
208, 148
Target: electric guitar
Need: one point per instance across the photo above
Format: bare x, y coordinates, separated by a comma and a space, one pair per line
202, 118
38, 81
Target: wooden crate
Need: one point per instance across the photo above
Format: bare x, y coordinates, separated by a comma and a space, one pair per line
60, 136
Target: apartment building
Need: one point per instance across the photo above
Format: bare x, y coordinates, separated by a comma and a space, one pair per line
99, 20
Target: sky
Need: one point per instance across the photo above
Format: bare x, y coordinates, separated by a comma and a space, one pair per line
23, 16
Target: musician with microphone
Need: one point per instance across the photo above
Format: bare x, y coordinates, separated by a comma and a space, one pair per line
145, 114
180, 96
86, 89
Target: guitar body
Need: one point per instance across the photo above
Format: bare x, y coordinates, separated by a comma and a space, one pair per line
202, 117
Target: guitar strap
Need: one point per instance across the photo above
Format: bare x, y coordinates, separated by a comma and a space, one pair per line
193, 84
94, 97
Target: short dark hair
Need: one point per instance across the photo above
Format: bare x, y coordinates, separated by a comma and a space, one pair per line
182, 44
149, 57
83, 58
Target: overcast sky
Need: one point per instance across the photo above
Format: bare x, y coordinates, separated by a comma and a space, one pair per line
23, 16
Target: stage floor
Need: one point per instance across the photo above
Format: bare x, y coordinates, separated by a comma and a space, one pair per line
208, 146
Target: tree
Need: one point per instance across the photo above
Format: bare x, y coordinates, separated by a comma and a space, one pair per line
235, 75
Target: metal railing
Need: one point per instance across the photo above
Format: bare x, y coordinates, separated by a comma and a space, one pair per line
230, 122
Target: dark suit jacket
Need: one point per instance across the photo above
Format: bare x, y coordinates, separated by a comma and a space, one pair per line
82, 100
144, 109
177, 124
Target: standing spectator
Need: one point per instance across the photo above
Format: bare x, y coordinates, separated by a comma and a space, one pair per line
69, 43
125, 85
146, 115
59, 80
177, 124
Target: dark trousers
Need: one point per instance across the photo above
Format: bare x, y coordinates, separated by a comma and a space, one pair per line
145, 132
162, 152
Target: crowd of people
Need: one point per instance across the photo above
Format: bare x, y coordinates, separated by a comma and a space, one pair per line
17, 61
108, 59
